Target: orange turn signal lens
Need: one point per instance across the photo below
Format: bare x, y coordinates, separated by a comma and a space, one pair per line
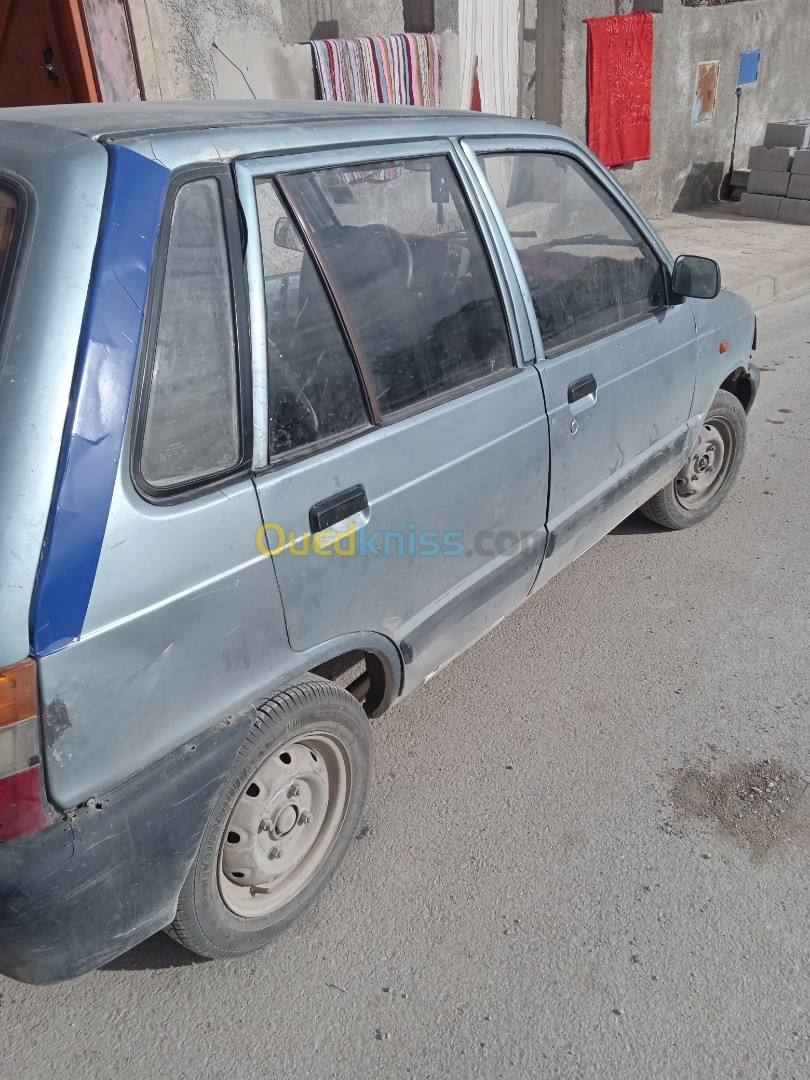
724, 346
18, 692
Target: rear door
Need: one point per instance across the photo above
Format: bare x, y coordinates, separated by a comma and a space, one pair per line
404, 479
620, 358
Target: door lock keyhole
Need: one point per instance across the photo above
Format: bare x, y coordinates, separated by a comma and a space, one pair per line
49, 65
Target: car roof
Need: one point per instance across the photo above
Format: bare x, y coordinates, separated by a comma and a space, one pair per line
183, 132
99, 121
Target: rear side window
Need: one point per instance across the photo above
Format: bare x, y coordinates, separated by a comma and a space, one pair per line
192, 429
9, 232
8, 221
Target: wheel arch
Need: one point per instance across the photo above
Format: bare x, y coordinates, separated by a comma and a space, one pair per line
741, 384
368, 665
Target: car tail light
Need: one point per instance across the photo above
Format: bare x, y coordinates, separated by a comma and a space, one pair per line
22, 802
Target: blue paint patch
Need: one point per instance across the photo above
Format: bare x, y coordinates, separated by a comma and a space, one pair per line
749, 67
108, 356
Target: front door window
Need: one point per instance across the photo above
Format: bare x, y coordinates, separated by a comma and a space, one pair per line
589, 270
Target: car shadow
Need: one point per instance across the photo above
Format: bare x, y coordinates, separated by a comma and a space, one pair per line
156, 953
637, 525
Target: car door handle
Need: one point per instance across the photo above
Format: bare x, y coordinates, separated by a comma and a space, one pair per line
329, 512
581, 388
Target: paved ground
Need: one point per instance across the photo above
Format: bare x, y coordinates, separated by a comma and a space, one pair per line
764, 261
540, 892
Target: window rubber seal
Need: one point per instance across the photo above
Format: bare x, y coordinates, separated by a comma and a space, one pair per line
179, 493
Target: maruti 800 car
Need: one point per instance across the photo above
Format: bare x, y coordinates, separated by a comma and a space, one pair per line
297, 401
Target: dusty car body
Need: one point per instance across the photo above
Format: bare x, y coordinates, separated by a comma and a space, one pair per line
297, 396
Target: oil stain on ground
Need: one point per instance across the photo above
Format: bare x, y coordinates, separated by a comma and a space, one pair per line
756, 803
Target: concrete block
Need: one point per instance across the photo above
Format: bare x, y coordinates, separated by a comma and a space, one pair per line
792, 133
794, 211
771, 158
760, 206
739, 178
799, 186
768, 183
801, 163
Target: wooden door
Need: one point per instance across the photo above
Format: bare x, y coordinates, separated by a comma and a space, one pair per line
45, 56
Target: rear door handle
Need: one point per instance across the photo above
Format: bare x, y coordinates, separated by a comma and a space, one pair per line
581, 388
329, 512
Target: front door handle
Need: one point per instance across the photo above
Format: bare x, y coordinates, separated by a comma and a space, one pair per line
581, 388
329, 512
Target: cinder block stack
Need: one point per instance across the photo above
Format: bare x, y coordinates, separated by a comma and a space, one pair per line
739, 184
779, 180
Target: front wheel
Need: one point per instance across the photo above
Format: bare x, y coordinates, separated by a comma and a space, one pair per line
707, 477
288, 812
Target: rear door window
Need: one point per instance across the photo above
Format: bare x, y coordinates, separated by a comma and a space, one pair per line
315, 397
408, 267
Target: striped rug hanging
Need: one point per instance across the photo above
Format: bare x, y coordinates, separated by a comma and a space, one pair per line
397, 69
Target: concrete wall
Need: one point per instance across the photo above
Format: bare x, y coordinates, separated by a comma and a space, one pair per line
529, 80
174, 39
257, 45
689, 160
174, 43
307, 19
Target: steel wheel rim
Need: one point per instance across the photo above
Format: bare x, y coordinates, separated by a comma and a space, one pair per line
284, 824
708, 467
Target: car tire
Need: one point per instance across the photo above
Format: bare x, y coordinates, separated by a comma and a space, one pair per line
708, 476
289, 809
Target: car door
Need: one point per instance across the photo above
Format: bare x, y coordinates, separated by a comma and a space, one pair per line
619, 357
404, 478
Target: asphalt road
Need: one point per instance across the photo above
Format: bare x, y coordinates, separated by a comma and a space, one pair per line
570, 867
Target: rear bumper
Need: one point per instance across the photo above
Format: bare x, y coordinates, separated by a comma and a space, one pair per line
107, 875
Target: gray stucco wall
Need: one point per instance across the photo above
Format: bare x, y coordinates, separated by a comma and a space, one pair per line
174, 44
528, 94
173, 37
307, 19
689, 160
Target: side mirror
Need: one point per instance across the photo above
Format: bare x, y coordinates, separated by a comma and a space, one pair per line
696, 277
286, 235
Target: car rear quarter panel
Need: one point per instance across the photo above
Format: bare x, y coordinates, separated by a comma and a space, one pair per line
40, 339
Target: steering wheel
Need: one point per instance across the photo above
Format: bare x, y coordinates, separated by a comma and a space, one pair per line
400, 249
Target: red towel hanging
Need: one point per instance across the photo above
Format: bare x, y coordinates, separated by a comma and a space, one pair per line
475, 104
620, 61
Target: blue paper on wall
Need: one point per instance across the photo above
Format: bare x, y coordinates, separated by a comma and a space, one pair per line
749, 67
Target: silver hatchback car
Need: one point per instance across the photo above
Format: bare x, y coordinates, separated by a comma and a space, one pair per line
296, 401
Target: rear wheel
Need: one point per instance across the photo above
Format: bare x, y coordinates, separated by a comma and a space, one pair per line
289, 810
707, 477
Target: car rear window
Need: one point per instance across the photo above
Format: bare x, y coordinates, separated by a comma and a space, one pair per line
10, 220
9, 212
